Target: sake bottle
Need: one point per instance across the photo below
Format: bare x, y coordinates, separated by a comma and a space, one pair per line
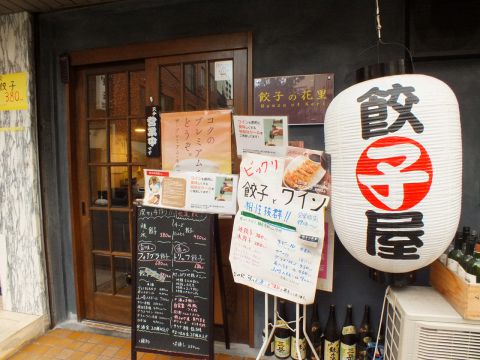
282, 333
364, 335
302, 342
315, 333
270, 350
331, 342
348, 337
456, 254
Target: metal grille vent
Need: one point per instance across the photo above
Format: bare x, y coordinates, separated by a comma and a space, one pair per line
446, 342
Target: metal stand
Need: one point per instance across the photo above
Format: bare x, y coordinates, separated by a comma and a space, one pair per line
298, 318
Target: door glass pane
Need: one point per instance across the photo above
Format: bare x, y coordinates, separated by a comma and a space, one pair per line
97, 136
195, 86
100, 230
99, 185
120, 231
123, 275
118, 140
170, 88
97, 96
117, 94
138, 138
138, 182
119, 186
137, 93
221, 84
103, 274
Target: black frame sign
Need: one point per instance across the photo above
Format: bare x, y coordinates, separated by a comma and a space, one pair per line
172, 304
153, 131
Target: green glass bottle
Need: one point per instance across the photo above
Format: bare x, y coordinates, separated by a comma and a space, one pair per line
461, 272
473, 272
456, 254
348, 337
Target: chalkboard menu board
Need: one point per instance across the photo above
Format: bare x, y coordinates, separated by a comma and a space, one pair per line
173, 304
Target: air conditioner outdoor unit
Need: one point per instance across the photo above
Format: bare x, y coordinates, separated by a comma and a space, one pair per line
421, 325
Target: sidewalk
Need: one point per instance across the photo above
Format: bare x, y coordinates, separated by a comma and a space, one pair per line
74, 345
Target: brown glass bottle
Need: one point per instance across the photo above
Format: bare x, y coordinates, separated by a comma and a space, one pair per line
331, 342
302, 341
364, 335
348, 337
315, 333
282, 333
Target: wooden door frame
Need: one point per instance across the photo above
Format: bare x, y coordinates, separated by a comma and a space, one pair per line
183, 46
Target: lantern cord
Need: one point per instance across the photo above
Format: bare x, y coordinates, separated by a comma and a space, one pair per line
378, 27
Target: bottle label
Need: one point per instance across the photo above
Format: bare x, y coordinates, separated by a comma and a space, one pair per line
347, 352
331, 350
303, 348
461, 272
452, 265
472, 279
367, 339
346, 330
282, 347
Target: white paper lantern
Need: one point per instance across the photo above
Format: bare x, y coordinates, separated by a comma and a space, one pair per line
396, 154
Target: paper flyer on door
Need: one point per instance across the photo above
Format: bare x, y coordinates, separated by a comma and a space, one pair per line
278, 233
191, 191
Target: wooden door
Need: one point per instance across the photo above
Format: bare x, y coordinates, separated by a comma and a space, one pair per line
110, 146
108, 158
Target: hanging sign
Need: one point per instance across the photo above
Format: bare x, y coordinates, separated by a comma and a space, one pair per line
396, 154
153, 131
13, 91
197, 141
303, 98
192, 191
278, 232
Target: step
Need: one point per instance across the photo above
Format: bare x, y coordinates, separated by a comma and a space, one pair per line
17, 329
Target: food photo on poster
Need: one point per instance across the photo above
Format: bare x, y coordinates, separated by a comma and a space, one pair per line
396, 150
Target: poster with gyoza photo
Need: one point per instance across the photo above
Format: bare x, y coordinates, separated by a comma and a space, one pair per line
261, 134
191, 191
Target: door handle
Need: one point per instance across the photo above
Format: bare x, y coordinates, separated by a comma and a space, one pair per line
83, 208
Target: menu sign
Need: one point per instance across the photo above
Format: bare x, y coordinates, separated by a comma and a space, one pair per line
173, 304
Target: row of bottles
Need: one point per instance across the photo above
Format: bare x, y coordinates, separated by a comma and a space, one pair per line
464, 258
329, 344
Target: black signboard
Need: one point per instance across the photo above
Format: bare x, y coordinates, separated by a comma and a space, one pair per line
153, 131
172, 308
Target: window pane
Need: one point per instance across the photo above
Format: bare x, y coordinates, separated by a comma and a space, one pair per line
119, 186
120, 231
138, 138
221, 84
118, 140
97, 141
100, 230
97, 96
170, 88
138, 182
195, 86
103, 274
117, 94
123, 275
137, 93
99, 185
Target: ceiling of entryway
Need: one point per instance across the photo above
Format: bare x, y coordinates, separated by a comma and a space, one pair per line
41, 6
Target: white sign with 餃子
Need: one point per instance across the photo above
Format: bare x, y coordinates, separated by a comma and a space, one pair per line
396, 151
278, 233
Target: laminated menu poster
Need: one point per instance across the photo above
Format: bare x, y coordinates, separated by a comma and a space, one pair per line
278, 233
173, 304
197, 141
303, 98
261, 134
192, 191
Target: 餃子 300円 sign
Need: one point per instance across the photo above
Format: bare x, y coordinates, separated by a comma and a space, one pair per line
395, 145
